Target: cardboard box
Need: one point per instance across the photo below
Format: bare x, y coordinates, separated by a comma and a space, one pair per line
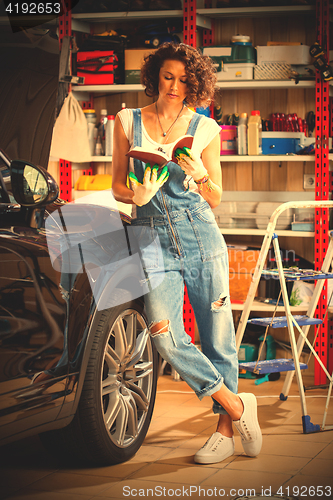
288, 54
133, 62
97, 67
242, 264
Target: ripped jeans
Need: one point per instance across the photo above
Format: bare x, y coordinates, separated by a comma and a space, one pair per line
193, 252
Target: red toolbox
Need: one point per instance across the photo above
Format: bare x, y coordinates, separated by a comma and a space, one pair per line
97, 66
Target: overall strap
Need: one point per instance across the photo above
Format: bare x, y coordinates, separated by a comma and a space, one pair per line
194, 124
137, 141
137, 129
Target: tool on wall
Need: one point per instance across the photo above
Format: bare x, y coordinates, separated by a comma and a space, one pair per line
65, 76
321, 62
232, 119
311, 121
218, 115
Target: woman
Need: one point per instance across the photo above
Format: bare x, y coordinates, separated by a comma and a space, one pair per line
177, 204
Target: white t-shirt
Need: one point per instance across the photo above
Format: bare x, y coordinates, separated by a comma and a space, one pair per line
207, 129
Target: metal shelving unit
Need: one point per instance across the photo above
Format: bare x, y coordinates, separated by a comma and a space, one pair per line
192, 18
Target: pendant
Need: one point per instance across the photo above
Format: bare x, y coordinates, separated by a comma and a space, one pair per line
164, 134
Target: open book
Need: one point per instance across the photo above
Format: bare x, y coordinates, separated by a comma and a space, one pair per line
158, 156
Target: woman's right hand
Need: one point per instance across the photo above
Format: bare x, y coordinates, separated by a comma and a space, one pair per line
144, 192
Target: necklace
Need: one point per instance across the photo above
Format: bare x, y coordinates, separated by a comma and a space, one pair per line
165, 134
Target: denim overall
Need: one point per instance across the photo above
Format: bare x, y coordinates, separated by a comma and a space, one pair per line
192, 251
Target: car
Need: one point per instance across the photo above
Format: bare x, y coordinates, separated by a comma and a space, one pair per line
77, 364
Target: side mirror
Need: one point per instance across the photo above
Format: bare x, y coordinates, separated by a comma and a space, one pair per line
32, 185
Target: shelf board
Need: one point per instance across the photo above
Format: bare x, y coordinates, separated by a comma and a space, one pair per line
110, 89
103, 17
261, 232
238, 158
100, 17
279, 158
284, 10
265, 84
238, 84
101, 158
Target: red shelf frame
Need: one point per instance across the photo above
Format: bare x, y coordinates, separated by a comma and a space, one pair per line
323, 343
65, 167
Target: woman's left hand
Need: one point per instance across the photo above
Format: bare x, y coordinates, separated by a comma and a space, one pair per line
190, 163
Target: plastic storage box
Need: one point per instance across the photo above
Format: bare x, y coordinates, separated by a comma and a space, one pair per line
232, 62
289, 54
272, 71
280, 143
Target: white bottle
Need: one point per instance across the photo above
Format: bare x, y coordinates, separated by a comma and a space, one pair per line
242, 134
109, 135
254, 134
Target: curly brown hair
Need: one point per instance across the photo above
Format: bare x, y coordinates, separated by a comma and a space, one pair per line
200, 72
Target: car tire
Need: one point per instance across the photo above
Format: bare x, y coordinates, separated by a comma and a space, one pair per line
118, 393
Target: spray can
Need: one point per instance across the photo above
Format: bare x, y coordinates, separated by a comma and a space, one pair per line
109, 135
90, 115
103, 119
242, 134
254, 134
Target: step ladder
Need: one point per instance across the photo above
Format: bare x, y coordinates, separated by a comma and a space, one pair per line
301, 323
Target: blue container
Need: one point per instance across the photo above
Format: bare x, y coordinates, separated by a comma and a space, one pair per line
280, 143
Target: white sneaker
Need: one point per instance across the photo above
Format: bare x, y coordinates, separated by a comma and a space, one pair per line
216, 449
248, 425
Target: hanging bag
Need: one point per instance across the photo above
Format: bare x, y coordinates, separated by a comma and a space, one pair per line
70, 133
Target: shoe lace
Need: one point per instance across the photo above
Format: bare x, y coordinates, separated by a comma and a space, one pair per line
244, 431
217, 443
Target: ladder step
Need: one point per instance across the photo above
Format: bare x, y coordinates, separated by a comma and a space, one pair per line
296, 275
271, 366
281, 321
